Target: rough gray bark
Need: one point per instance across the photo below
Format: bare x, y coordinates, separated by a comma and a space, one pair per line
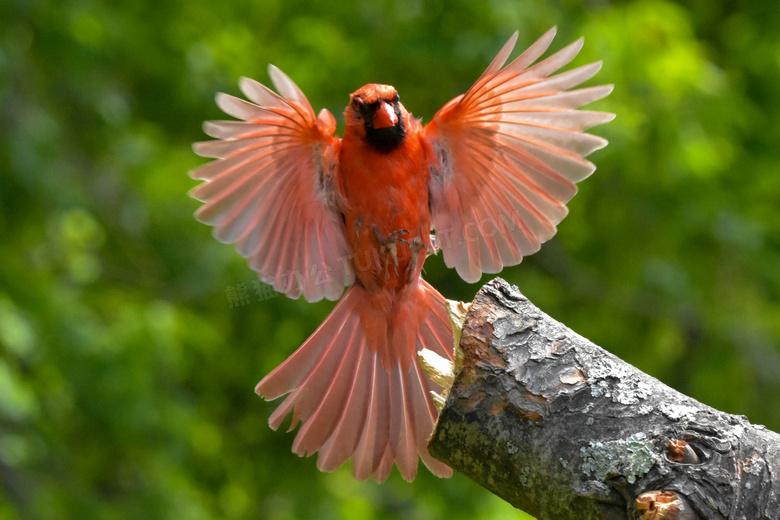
562, 429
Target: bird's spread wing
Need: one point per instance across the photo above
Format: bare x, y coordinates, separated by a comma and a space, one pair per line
273, 190
507, 155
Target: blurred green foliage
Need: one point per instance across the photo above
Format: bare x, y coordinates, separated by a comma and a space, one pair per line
125, 378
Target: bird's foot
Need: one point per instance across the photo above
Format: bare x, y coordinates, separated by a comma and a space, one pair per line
390, 249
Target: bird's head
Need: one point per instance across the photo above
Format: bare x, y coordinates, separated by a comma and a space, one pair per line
376, 113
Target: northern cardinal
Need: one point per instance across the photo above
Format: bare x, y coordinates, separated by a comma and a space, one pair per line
313, 213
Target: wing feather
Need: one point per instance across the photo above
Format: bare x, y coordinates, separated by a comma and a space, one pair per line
260, 94
273, 188
507, 154
289, 90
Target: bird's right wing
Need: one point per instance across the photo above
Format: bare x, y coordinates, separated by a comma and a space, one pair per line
273, 190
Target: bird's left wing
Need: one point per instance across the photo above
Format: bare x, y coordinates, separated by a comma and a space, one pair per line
506, 156
273, 190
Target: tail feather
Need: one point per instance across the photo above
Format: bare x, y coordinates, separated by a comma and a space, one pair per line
406, 447
374, 439
344, 439
304, 399
355, 401
428, 413
281, 412
316, 431
385, 465
438, 326
430, 336
300, 364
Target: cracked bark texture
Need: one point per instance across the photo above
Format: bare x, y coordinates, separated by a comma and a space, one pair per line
562, 429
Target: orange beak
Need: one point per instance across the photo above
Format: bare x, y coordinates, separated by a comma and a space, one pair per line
385, 116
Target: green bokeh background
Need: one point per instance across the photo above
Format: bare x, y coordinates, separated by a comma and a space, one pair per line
126, 381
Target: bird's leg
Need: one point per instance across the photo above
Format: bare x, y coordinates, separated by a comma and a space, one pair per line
392, 249
415, 247
389, 247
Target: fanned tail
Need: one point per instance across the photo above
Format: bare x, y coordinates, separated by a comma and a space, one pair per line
352, 402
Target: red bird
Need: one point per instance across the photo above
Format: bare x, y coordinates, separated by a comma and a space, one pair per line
491, 174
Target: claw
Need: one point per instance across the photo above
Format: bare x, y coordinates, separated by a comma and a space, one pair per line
415, 247
389, 247
395, 236
393, 250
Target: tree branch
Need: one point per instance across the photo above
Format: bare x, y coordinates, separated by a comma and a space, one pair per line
562, 429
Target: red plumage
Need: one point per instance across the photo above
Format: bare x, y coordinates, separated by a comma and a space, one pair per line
490, 174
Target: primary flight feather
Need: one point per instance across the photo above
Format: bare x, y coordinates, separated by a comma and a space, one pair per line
490, 175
